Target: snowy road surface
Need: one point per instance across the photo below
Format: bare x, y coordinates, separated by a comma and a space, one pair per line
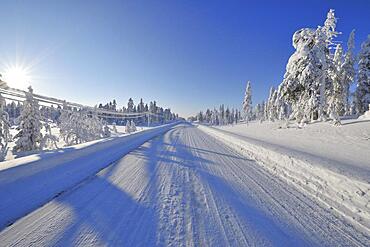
183, 188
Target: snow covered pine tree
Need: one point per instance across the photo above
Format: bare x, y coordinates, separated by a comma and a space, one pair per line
4, 129
362, 99
29, 135
247, 102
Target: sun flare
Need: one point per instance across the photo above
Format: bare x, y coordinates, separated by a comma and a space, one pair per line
16, 76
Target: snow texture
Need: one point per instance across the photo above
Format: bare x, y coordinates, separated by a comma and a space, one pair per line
183, 188
347, 196
29, 182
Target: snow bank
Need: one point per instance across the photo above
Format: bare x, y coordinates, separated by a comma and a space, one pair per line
366, 115
348, 196
343, 149
29, 182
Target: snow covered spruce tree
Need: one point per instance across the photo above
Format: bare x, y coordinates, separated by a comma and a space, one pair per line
280, 105
247, 102
303, 76
29, 135
307, 79
335, 98
348, 71
4, 129
362, 94
271, 109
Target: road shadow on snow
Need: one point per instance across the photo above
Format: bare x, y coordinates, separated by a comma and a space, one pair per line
149, 223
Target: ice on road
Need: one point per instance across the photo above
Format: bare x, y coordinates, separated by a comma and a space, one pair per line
183, 188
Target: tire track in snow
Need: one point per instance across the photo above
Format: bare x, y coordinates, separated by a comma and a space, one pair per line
182, 189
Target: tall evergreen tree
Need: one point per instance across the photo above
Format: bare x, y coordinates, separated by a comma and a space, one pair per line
348, 71
363, 79
4, 129
130, 106
247, 102
29, 135
336, 104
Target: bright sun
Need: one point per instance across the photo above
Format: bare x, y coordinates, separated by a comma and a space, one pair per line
16, 76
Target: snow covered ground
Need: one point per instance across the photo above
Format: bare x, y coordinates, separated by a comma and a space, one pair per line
183, 188
28, 182
307, 159
344, 149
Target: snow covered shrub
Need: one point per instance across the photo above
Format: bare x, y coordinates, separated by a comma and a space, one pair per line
80, 126
133, 126
106, 131
114, 128
49, 141
128, 127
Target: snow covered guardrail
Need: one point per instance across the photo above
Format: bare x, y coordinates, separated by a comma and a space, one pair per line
29, 182
347, 196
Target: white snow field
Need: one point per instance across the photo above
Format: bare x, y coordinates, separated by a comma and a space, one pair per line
344, 149
28, 182
183, 188
329, 163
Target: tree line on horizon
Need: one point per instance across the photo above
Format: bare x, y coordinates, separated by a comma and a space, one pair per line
317, 81
76, 125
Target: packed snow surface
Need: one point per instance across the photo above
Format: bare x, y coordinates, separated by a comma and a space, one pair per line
27, 183
183, 188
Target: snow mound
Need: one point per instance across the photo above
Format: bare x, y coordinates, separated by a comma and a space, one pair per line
365, 116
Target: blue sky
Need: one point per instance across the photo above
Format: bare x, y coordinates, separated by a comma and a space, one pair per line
187, 55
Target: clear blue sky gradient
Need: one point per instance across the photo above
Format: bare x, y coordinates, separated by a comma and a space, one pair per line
188, 55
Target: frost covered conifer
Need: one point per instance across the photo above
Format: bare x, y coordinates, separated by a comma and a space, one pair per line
271, 111
280, 105
336, 104
329, 28
29, 135
362, 94
4, 129
301, 73
348, 71
306, 78
247, 102
130, 105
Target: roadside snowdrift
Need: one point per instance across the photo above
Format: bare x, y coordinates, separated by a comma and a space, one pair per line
348, 196
343, 149
29, 182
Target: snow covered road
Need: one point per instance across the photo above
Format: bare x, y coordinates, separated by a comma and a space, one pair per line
183, 188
